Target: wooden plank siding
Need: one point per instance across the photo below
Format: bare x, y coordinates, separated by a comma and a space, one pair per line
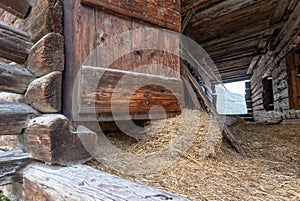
87, 28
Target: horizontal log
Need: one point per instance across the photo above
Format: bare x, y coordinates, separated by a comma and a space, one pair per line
162, 13
47, 55
82, 182
10, 142
14, 79
44, 93
48, 138
14, 44
11, 97
124, 90
11, 165
18, 8
14, 117
45, 17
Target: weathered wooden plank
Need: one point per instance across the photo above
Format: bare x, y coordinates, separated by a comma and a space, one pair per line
14, 43
162, 13
14, 117
19, 8
11, 165
11, 97
82, 182
137, 92
48, 138
14, 79
47, 55
44, 93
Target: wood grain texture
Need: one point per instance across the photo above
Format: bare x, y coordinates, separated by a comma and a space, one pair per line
101, 89
19, 8
48, 138
44, 93
14, 79
82, 182
47, 55
87, 27
10, 142
11, 165
162, 13
14, 117
14, 43
45, 17
11, 97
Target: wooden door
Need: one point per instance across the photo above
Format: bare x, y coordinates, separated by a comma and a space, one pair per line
88, 26
293, 69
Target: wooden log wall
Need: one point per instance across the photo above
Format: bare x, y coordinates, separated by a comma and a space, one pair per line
274, 63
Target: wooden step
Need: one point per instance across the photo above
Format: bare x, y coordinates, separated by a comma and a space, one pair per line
82, 182
19, 8
14, 79
14, 43
14, 117
11, 165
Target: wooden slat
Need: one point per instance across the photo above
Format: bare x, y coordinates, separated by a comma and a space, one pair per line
14, 79
11, 165
100, 95
14, 44
162, 13
14, 117
19, 8
82, 182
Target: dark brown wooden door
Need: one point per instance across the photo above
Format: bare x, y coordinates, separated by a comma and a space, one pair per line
88, 26
293, 68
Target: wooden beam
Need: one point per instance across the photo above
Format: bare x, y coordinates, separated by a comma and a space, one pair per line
222, 9
14, 44
11, 165
253, 63
100, 95
19, 8
187, 5
14, 117
187, 20
165, 14
44, 93
82, 182
49, 139
47, 55
11, 97
14, 79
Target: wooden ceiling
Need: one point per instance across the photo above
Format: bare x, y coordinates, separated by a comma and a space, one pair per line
236, 32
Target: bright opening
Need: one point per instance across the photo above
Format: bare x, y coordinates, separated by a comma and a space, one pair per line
231, 98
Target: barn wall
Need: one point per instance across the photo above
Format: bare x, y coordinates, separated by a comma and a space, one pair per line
274, 64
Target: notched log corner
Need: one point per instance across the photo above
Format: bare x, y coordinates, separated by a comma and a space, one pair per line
48, 138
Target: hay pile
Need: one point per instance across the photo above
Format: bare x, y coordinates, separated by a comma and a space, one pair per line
269, 172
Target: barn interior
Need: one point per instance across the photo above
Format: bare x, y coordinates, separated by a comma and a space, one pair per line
75, 104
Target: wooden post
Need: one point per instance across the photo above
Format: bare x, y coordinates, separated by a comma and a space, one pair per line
14, 44
19, 8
